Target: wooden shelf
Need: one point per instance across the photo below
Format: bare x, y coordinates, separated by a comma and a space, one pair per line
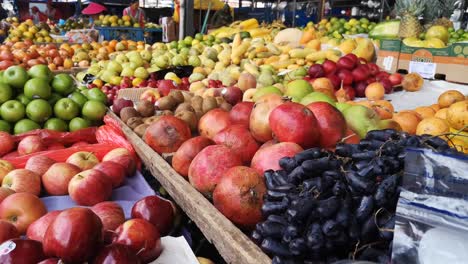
233, 245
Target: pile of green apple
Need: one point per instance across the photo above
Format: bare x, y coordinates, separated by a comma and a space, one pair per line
37, 99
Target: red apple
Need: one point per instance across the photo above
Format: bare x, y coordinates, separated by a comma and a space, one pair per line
51, 261
346, 76
360, 73
74, 235
142, 237
83, 160
116, 253
165, 87
7, 143
111, 215
22, 209
232, 94
55, 146
373, 68
114, 171
18, 251
353, 58
156, 210
39, 164
123, 157
57, 178
336, 81
387, 84
80, 143
5, 168
37, 229
5, 192
22, 180
316, 71
120, 104
7, 231
395, 79
30, 144
329, 67
90, 187
382, 75
345, 63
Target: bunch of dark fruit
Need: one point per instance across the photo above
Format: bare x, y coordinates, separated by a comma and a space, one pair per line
324, 206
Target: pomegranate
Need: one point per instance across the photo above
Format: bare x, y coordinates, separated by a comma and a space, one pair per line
239, 196
331, 123
240, 113
259, 124
239, 139
167, 134
209, 165
212, 122
293, 122
267, 158
269, 143
185, 154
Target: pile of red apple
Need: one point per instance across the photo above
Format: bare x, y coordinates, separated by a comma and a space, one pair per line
99, 234
355, 74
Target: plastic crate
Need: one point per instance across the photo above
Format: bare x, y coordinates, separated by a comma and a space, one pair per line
121, 33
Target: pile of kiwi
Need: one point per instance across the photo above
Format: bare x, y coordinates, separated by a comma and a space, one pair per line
181, 104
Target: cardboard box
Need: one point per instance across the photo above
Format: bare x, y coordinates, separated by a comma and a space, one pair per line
450, 63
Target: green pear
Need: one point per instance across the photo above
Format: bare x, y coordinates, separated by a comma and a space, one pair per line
317, 97
266, 90
298, 89
266, 79
121, 58
127, 72
342, 106
141, 73
361, 119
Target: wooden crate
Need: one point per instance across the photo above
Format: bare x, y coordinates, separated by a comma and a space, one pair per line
232, 243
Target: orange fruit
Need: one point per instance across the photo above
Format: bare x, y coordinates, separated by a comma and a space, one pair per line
436, 107
412, 82
450, 97
442, 113
383, 108
432, 126
425, 111
375, 91
408, 121
457, 115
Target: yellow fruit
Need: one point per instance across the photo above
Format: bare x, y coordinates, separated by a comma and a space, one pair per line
438, 32
412, 82
442, 113
435, 43
432, 126
408, 121
458, 144
457, 115
450, 97
425, 111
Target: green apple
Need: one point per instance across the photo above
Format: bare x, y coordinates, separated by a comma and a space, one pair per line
141, 73
40, 71
298, 89
78, 123
25, 125
66, 109
97, 95
317, 97
12, 111
6, 93
94, 110
63, 84
16, 76
5, 126
37, 88
38, 110
2, 73
78, 98
266, 90
54, 99
56, 124
85, 92
23, 99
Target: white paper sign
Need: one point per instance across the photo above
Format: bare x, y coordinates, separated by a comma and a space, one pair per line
426, 69
176, 250
387, 63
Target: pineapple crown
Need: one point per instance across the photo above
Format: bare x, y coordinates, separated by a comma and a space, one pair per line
410, 7
440, 8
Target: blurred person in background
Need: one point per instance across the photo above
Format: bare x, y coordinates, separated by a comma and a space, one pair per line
37, 16
135, 12
51, 12
94, 10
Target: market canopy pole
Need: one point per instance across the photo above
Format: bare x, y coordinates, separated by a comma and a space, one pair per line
186, 18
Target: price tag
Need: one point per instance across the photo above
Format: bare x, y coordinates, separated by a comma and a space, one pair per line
387, 63
7, 247
426, 69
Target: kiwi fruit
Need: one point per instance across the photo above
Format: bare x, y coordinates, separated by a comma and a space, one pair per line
196, 100
188, 117
225, 106
127, 113
134, 122
141, 129
209, 103
177, 95
145, 108
199, 114
152, 119
184, 107
187, 97
166, 103
167, 112
219, 100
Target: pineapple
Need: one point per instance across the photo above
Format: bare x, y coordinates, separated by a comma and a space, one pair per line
447, 7
409, 11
